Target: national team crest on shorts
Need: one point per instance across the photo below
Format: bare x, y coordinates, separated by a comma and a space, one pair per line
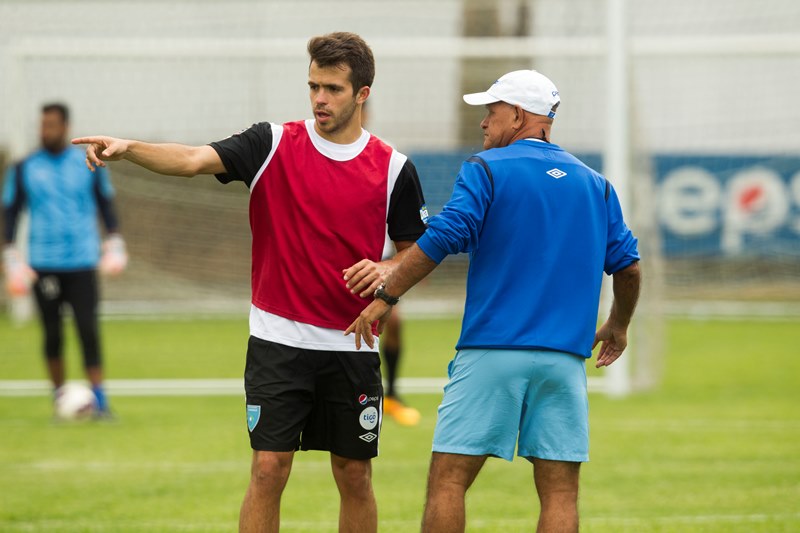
253, 415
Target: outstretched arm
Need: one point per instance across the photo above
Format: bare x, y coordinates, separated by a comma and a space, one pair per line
614, 333
170, 159
414, 265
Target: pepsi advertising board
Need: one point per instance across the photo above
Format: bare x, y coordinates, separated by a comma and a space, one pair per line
734, 206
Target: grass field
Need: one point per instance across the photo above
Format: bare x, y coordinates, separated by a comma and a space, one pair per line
715, 449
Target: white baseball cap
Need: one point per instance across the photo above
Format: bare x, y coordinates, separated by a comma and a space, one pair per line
531, 90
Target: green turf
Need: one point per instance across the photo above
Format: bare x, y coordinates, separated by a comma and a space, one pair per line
716, 448
195, 349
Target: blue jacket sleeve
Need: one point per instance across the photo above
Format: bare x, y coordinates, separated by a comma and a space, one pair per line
13, 200
104, 194
621, 245
104, 182
457, 228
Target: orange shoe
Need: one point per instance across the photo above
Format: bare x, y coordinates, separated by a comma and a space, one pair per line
402, 414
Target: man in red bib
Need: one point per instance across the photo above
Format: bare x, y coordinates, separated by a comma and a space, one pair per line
323, 195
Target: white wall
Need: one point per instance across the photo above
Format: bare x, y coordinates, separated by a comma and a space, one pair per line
705, 103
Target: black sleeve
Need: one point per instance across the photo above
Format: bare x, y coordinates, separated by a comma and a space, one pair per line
407, 215
244, 153
12, 210
106, 207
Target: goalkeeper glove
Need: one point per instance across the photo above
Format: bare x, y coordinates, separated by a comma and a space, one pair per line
19, 276
115, 256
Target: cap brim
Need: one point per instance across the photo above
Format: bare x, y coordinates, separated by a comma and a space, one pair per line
480, 99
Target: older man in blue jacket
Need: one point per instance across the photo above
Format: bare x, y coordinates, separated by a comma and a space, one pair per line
540, 228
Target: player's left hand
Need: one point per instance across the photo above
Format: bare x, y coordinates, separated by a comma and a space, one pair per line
614, 341
362, 326
366, 276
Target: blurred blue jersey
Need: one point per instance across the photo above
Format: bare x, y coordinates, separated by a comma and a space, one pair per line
540, 228
63, 198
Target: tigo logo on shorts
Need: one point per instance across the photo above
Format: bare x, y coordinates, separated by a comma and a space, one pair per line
253, 415
368, 418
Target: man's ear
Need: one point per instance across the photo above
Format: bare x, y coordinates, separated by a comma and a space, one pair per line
519, 118
362, 95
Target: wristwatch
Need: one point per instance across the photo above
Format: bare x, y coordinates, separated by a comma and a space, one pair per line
380, 293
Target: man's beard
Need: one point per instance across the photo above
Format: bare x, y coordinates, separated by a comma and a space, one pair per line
340, 120
54, 147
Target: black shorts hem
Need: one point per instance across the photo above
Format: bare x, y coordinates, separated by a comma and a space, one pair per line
316, 448
274, 448
340, 453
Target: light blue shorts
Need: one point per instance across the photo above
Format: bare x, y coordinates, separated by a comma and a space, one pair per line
495, 396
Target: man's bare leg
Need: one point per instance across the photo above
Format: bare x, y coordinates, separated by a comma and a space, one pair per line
557, 486
448, 480
261, 509
55, 369
358, 512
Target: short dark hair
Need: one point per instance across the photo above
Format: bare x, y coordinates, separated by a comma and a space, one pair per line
57, 107
344, 48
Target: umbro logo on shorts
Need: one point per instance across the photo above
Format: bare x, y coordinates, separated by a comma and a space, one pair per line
556, 173
368, 437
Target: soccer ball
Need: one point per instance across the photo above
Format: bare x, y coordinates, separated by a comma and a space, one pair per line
74, 401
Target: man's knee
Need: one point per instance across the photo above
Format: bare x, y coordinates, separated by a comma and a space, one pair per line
454, 470
352, 474
556, 479
271, 469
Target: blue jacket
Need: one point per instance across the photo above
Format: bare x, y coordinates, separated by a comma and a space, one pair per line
63, 198
540, 228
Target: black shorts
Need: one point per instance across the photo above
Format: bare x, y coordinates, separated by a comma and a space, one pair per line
313, 399
78, 289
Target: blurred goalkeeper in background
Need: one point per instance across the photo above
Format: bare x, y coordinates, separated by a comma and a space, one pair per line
63, 199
